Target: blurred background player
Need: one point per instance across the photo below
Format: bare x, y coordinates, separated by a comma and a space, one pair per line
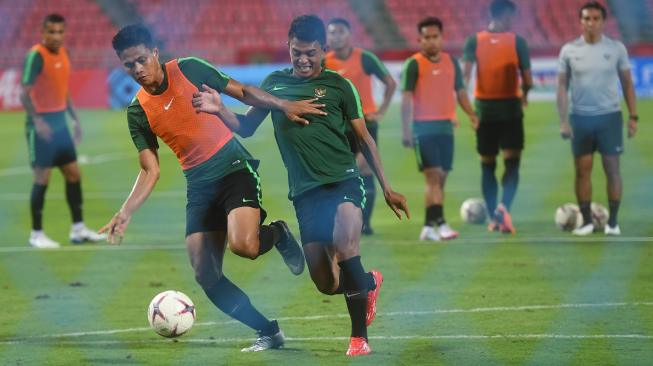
223, 187
359, 65
46, 99
592, 67
324, 183
431, 83
501, 57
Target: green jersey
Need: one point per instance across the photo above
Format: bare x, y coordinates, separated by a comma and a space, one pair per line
231, 157
318, 153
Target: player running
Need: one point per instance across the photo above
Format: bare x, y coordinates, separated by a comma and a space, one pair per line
46, 98
223, 187
592, 66
431, 84
501, 57
359, 66
325, 186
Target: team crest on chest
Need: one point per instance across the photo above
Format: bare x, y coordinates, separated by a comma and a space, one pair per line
320, 92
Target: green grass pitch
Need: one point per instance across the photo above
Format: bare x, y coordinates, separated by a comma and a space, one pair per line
539, 297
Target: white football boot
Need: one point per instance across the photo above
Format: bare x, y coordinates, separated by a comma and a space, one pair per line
612, 231
446, 232
79, 234
584, 230
38, 239
429, 234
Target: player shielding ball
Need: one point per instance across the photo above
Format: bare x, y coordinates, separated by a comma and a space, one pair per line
591, 67
223, 187
325, 185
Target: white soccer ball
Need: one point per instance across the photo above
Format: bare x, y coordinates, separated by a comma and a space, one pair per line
171, 313
600, 216
473, 211
568, 217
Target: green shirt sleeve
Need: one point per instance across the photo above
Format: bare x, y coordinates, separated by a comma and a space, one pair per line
351, 103
409, 75
199, 71
523, 54
32, 67
139, 127
458, 83
373, 66
469, 49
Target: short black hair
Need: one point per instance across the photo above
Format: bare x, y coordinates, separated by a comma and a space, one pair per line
308, 28
132, 35
341, 21
428, 22
53, 18
500, 7
593, 5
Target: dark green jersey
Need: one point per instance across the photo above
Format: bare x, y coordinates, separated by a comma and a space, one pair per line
318, 153
32, 67
499, 109
229, 158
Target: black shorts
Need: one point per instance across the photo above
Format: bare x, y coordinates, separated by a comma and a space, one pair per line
492, 136
58, 151
434, 151
372, 128
316, 209
209, 203
603, 133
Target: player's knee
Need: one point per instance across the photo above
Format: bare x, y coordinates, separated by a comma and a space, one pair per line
246, 247
326, 287
206, 278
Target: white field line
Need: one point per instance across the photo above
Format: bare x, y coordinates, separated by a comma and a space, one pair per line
81, 159
388, 241
389, 314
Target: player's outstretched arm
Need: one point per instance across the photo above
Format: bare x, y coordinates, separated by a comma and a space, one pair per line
562, 102
256, 97
395, 200
631, 100
145, 182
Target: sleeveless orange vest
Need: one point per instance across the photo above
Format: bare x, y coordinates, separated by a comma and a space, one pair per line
50, 90
352, 69
433, 97
193, 137
497, 66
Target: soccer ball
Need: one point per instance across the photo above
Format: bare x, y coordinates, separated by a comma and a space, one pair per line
473, 211
600, 216
171, 313
568, 217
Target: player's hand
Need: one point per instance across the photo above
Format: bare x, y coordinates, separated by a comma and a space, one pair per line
455, 123
294, 110
43, 130
473, 119
524, 101
77, 133
397, 203
407, 141
632, 128
208, 100
565, 130
116, 228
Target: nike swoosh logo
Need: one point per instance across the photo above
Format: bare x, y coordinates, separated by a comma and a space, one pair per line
352, 295
167, 106
245, 200
275, 88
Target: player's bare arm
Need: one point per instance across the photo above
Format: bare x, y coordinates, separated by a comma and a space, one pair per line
256, 97
43, 130
526, 85
631, 100
77, 128
467, 71
466, 105
395, 200
406, 118
562, 101
145, 182
390, 87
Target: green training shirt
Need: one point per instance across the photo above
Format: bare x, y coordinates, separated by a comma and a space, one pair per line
231, 157
318, 153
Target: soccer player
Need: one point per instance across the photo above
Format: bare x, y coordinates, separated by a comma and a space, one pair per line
325, 186
46, 99
359, 65
431, 83
501, 57
592, 66
223, 187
